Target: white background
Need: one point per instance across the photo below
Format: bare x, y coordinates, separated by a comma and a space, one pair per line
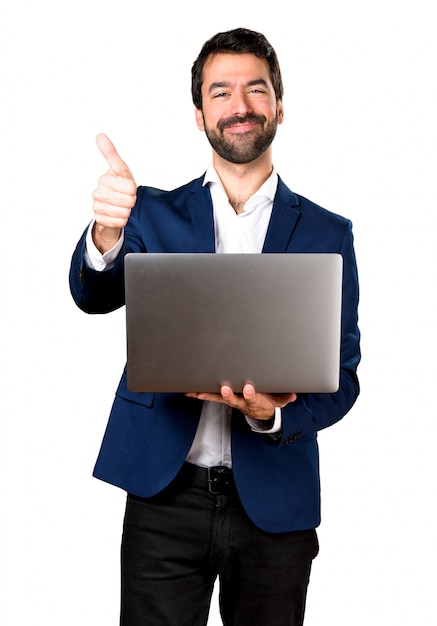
359, 137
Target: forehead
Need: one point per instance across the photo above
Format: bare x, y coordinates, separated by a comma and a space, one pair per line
233, 68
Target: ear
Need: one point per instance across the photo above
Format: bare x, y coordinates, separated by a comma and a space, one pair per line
280, 109
199, 119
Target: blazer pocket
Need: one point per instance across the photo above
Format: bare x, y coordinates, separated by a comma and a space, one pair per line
142, 398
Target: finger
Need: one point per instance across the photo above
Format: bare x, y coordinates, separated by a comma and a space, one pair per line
291, 397
232, 399
114, 197
113, 181
283, 399
110, 153
211, 397
227, 393
249, 393
108, 215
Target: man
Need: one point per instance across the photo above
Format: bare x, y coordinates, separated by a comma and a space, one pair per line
251, 519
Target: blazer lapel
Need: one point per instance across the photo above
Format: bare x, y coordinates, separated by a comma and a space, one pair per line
200, 208
285, 215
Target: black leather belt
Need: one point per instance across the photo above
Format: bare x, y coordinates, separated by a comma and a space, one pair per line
218, 480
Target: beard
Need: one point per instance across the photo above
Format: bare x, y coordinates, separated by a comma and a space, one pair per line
244, 147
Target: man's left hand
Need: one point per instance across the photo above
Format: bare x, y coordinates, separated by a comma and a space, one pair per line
258, 406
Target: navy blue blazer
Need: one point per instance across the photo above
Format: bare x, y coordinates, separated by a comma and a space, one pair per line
148, 435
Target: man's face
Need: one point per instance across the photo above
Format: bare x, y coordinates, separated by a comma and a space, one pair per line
239, 112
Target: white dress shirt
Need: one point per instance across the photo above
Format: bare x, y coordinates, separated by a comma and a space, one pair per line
234, 233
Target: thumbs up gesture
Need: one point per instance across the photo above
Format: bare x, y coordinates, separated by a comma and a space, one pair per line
114, 197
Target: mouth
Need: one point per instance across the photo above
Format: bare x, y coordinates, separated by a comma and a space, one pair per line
239, 129
237, 125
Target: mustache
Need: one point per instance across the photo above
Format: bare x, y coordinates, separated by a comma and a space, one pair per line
250, 118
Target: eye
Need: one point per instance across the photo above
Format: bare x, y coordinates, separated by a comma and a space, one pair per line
221, 94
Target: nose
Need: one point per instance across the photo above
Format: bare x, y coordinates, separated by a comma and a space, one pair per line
240, 103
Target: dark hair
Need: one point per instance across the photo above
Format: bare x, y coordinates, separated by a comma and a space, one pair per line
237, 41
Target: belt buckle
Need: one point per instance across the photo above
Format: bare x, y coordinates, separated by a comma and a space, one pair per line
218, 479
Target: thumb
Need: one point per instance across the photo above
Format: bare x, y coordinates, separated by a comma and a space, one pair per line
110, 153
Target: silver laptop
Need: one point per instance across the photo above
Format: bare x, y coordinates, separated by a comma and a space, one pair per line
197, 321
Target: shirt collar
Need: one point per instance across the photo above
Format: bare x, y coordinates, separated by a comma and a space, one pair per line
267, 189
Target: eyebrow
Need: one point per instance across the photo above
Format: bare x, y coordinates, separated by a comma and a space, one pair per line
226, 83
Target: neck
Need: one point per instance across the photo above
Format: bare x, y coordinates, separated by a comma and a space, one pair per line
242, 180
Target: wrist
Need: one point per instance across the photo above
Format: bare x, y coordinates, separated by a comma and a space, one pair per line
266, 424
105, 237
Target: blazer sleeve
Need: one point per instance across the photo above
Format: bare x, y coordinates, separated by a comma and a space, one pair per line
101, 292
313, 412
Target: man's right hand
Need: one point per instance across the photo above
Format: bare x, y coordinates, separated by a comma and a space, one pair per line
113, 199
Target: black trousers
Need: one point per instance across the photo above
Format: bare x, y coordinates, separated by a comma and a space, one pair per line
176, 544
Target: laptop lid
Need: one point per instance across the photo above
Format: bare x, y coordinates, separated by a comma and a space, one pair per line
197, 321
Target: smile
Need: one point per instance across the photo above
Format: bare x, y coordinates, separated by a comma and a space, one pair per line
241, 128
